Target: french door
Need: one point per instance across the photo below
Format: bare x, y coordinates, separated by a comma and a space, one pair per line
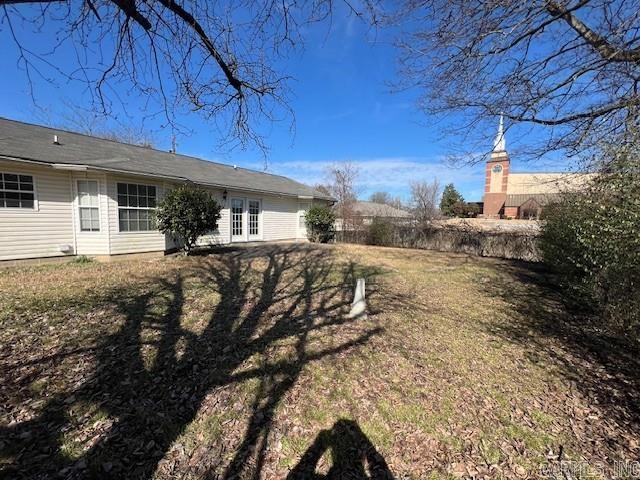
246, 219
237, 220
254, 227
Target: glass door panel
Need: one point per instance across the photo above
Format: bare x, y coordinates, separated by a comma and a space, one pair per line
254, 219
237, 219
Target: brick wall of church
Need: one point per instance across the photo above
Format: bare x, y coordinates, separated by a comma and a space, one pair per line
511, 212
494, 201
493, 204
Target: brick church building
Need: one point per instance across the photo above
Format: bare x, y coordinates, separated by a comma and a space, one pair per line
510, 194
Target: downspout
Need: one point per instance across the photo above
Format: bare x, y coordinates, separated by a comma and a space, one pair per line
73, 214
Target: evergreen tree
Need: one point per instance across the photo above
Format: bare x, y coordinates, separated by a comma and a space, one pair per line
450, 197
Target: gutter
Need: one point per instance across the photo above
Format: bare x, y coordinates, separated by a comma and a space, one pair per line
81, 167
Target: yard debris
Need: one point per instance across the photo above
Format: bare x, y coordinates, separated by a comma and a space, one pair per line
235, 363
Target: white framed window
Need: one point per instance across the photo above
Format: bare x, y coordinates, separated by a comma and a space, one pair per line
17, 191
88, 205
237, 217
136, 207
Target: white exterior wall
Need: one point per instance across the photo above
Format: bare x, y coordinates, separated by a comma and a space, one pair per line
38, 232
303, 207
222, 234
280, 218
55, 221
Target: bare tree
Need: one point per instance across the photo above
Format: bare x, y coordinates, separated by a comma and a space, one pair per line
424, 200
215, 58
568, 68
324, 189
342, 185
380, 197
87, 122
342, 181
386, 199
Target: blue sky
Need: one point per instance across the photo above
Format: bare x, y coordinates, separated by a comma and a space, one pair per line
344, 111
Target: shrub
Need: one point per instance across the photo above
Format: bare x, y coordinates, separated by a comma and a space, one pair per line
82, 259
320, 222
591, 240
465, 210
188, 212
380, 232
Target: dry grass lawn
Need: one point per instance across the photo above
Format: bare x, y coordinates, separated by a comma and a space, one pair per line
243, 364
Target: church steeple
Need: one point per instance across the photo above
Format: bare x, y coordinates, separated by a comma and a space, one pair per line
496, 176
500, 144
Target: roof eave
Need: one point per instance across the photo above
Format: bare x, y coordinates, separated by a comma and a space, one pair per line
83, 167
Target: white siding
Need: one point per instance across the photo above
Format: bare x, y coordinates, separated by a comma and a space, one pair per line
38, 233
280, 217
303, 207
132, 242
222, 234
55, 220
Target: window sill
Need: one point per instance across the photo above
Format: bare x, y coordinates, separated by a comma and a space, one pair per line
19, 209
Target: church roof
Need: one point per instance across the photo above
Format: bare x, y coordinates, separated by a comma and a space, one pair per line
516, 200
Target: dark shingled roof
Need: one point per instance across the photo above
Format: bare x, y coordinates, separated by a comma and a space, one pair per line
34, 142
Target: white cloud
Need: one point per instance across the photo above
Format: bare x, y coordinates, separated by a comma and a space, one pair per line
392, 174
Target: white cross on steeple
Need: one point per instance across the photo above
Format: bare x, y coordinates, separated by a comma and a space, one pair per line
499, 144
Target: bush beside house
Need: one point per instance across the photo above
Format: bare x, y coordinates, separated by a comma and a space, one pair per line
188, 212
320, 221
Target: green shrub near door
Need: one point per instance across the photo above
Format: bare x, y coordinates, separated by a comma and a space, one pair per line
320, 221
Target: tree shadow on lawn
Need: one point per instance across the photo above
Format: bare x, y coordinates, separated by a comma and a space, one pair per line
152, 399
604, 368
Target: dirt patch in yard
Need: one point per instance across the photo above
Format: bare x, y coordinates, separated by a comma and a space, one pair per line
243, 364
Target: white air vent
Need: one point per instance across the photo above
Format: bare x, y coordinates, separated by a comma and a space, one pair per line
66, 248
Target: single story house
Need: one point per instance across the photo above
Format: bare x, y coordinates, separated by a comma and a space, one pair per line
361, 213
64, 194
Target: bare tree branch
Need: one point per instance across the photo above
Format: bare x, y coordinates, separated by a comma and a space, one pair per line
567, 68
608, 51
219, 59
